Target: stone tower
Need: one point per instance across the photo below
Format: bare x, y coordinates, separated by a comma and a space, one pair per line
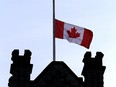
20, 69
93, 70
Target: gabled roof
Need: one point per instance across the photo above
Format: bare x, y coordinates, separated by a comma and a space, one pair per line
57, 74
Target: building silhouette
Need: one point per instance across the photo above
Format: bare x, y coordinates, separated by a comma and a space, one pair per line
57, 73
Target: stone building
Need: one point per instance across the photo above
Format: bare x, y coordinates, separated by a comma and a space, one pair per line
57, 73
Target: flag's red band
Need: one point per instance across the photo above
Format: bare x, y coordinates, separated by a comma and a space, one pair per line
59, 29
87, 38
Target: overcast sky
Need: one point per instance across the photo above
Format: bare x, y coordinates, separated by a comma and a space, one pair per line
27, 24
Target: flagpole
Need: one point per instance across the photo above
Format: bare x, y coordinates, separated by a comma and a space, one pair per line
54, 55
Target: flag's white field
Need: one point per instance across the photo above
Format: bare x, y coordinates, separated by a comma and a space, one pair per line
73, 33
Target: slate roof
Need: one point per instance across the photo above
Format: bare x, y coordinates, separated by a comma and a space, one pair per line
57, 74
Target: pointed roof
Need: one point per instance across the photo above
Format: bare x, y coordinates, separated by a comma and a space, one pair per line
57, 74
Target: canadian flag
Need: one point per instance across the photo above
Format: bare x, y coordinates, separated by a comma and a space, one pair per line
72, 33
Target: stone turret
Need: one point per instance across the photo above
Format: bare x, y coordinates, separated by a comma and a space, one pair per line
93, 70
20, 69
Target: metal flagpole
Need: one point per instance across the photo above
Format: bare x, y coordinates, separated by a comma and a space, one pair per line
54, 56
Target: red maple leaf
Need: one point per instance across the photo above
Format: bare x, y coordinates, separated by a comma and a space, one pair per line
73, 33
